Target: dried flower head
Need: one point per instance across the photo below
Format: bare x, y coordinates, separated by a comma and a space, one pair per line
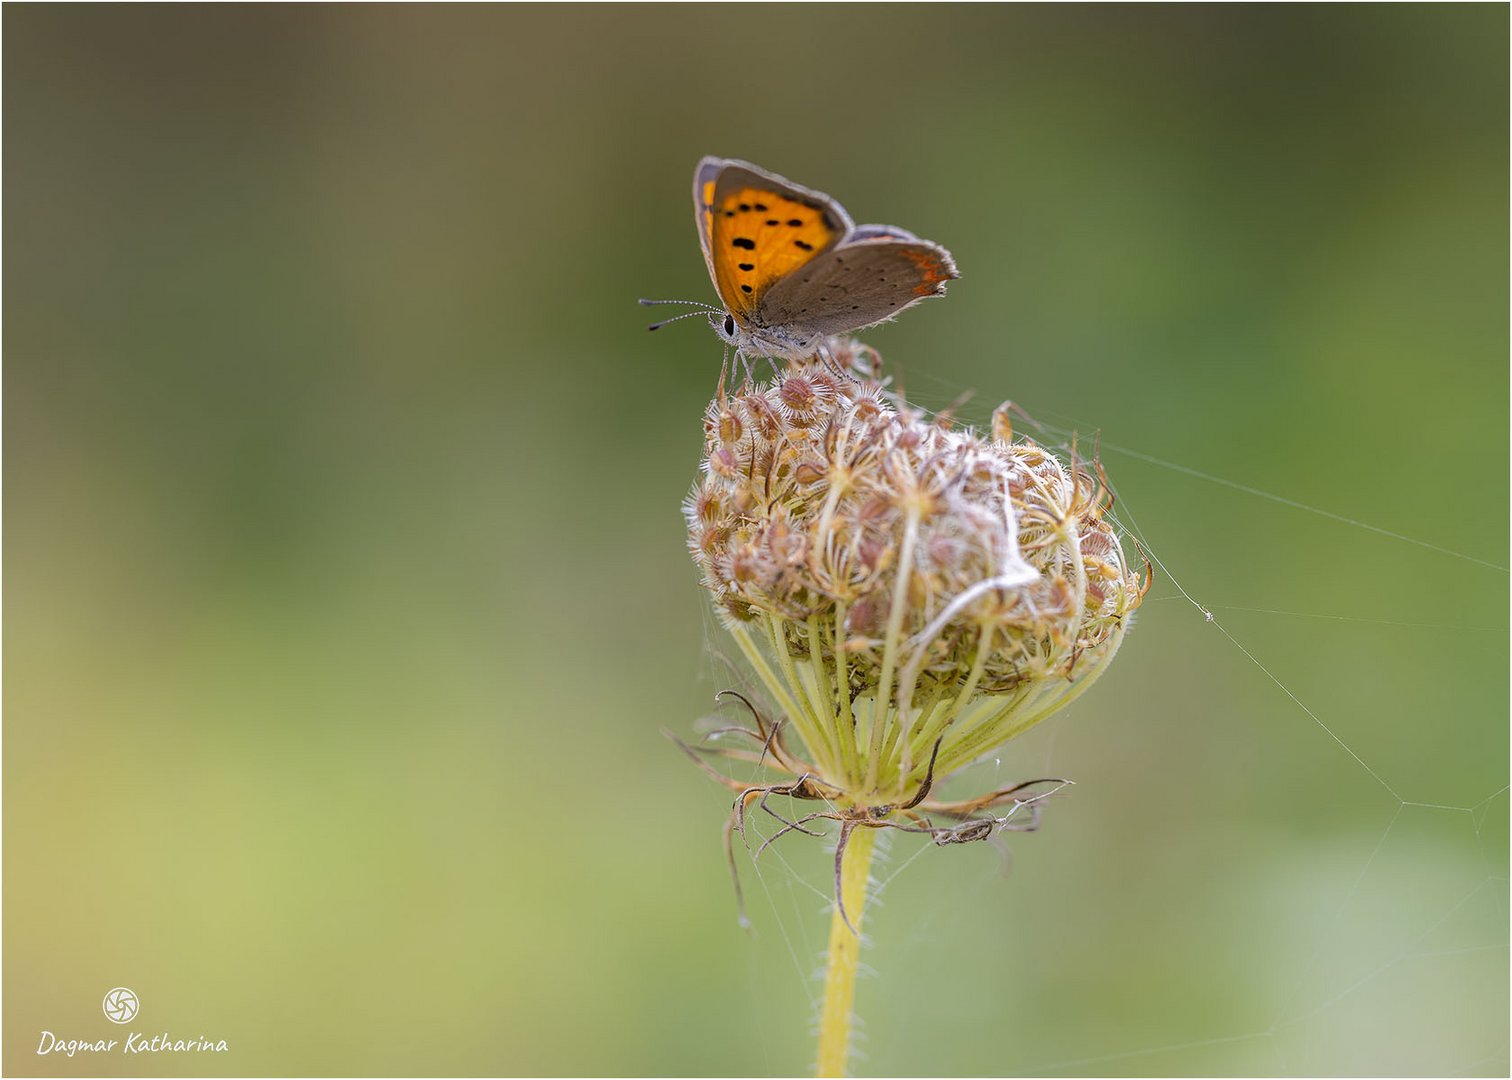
911, 596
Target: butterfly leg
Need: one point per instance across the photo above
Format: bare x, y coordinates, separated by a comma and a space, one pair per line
745, 362
827, 358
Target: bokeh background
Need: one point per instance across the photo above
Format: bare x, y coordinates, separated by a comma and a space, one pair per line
346, 583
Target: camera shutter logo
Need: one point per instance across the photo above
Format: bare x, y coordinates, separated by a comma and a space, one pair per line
121, 1005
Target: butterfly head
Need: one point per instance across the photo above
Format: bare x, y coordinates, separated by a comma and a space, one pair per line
725, 326
778, 342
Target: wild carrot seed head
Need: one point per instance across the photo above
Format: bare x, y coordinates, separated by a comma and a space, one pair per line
900, 563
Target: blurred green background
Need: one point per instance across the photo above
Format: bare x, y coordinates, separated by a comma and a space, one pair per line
346, 582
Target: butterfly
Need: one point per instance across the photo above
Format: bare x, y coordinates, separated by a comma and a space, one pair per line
792, 269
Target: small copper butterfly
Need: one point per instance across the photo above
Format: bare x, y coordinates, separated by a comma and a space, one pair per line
791, 268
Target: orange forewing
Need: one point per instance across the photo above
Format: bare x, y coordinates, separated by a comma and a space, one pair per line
756, 237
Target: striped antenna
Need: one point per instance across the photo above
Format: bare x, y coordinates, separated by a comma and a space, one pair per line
699, 305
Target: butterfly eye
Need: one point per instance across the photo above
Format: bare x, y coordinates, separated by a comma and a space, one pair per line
729, 326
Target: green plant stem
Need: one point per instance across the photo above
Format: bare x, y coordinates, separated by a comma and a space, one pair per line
890, 647
844, 953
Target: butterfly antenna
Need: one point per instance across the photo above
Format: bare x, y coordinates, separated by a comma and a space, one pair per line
690, 303
700, 307
675, 318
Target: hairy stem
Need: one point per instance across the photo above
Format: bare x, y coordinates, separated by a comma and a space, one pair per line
844, 953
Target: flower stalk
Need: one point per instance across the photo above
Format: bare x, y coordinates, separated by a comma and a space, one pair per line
844, 957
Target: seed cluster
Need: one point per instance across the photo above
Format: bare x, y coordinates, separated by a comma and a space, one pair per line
930, 559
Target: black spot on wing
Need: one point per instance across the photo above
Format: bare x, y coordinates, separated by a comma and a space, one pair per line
745, 243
